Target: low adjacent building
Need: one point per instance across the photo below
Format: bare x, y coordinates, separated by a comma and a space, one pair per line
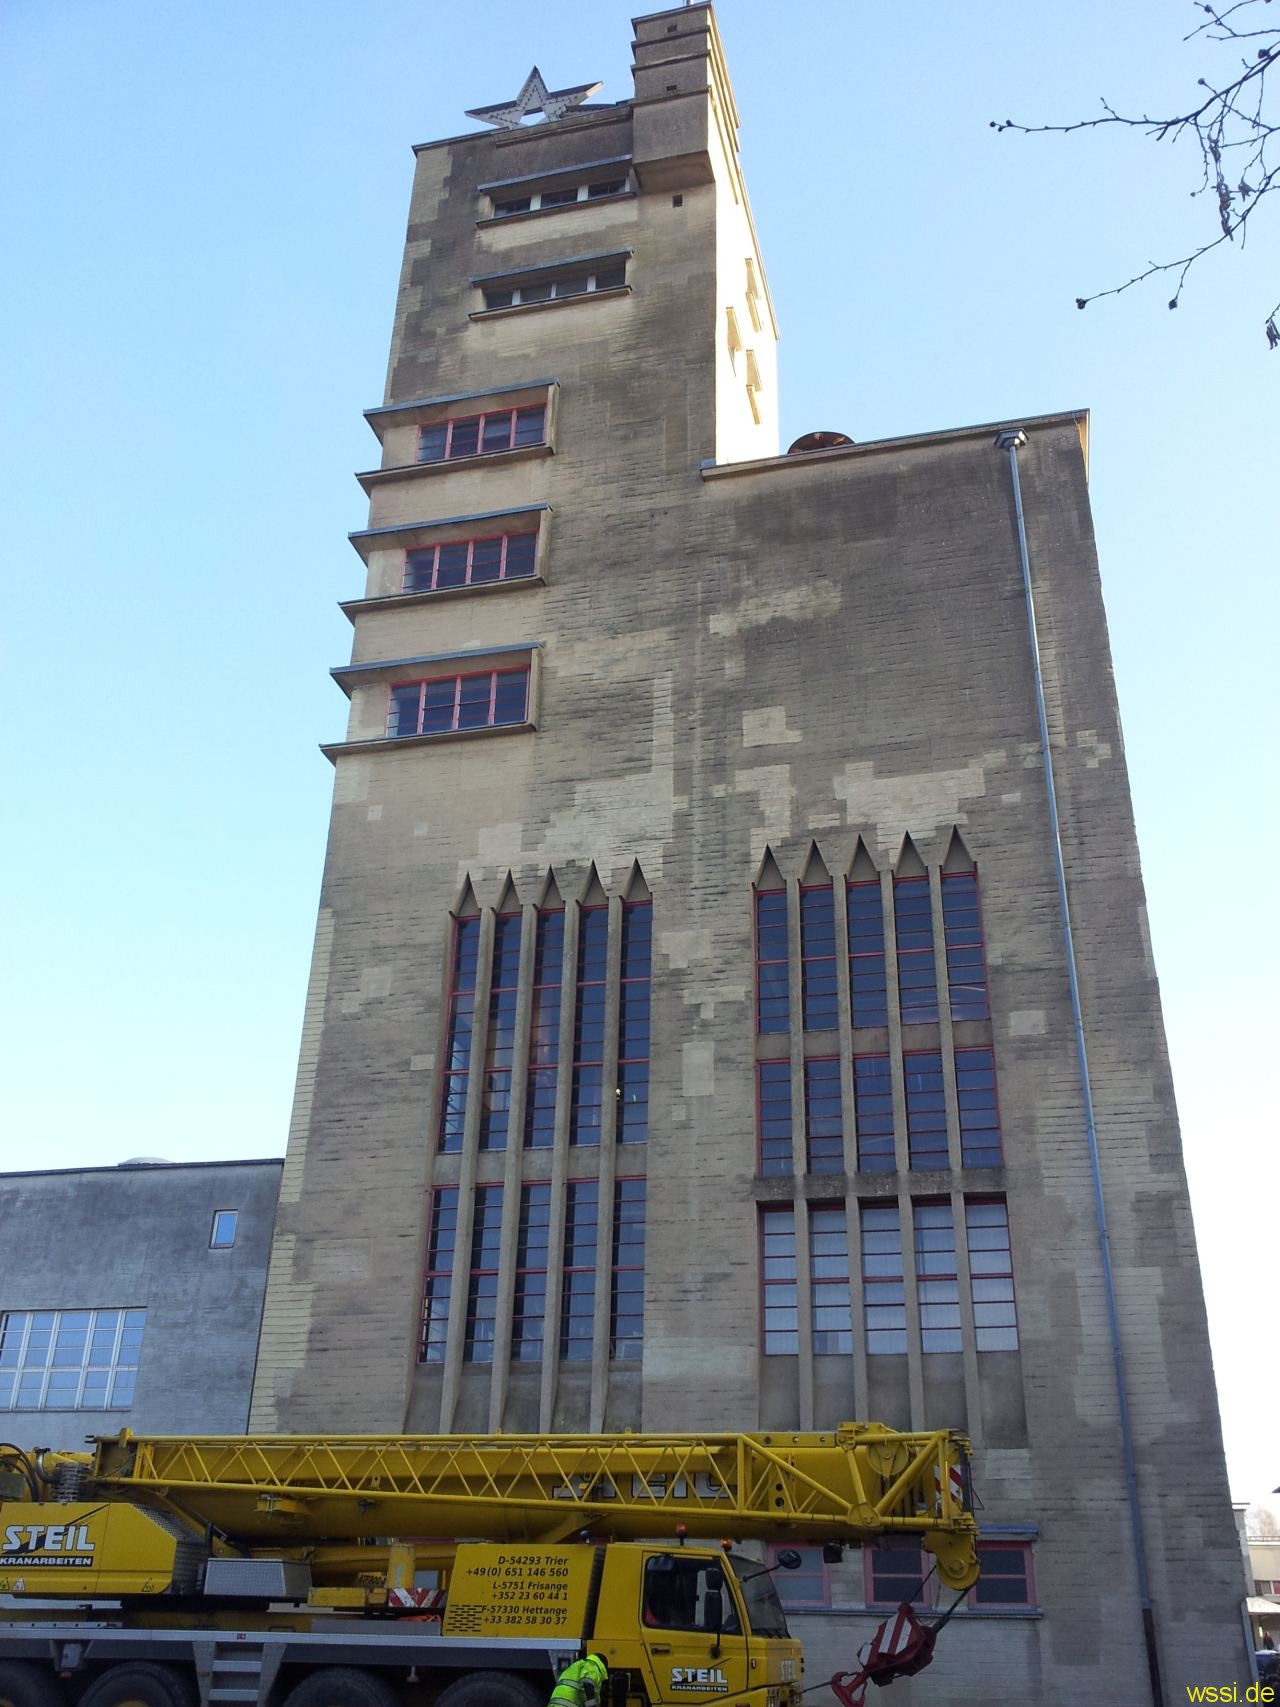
131, 1297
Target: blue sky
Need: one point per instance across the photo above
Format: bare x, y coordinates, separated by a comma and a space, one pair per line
204, 208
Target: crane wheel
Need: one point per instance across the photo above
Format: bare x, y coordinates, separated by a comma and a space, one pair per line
343, 1686
492, 1689
28, 1686
140, 1684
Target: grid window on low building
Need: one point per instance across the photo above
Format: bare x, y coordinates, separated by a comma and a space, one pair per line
633, 1023
773, 999
469, 562
966, 961
528, 1318
823, 1123
442, 705
829, 1279
937, 1288
495, 1101
773, 1102
818, 958
884, 1295
69, 1360
457, 1065
917, 975
482, 435
544, 1032
995, 1316
779, 1306
578, 1285
439, 1274
979, 1109
867, 983
587, 1094
626, 1303
926, 1109
482, 1279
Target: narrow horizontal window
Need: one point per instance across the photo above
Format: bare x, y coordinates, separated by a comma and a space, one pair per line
469, 562
552, 290
564, 197
490, 699
482, 435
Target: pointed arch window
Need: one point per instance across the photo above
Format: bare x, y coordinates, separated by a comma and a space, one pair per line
818, 958
588, 1025
867, 985
544, 1031
462, 995
633, 1023
773, 999
966, 958
495, 1102
913, 927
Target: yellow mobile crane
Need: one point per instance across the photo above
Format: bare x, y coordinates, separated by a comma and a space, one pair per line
284, 1571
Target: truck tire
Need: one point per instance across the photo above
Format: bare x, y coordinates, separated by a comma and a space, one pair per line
28, 1686
138, 1683
493, 1689
343, 1686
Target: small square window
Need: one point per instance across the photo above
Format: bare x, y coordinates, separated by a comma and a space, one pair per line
223, 1233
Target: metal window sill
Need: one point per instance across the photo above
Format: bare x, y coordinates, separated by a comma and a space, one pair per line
553, 302
410, 470
352, 608
384, 743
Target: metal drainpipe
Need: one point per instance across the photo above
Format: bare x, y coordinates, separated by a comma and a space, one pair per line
1011, 439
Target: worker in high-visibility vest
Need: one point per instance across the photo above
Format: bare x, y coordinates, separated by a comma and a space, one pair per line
581, 1684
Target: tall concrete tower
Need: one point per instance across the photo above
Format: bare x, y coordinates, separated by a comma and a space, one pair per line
692, 1038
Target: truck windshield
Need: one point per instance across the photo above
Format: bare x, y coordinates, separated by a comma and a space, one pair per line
764, 1609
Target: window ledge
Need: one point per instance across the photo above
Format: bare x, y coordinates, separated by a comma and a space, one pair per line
408, 470
961, 1612
352, 608
553, 302
565, 207
384, 743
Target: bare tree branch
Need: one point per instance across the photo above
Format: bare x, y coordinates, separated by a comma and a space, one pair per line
1231, 128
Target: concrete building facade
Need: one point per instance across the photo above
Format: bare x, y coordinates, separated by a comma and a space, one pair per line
690, 1041
131, 1297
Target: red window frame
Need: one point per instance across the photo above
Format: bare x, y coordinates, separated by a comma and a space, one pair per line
819, 1006
883, 1587
876, 1146
774, 1137
777, 1272
991, 1280
483, 420
464, 963
813, 1570
967, 993
482, 1275
395, 708
982, 1595
937, 1281
823, 1128
884, 1286
578, 1276
913, 940
927, 1147
633, 1023
500, 1039
863, 960
529, 1307
830, 1306
981, 1146
773, 1012
627, 1342
420, 557
590, 996
437, 1286
544, 1030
